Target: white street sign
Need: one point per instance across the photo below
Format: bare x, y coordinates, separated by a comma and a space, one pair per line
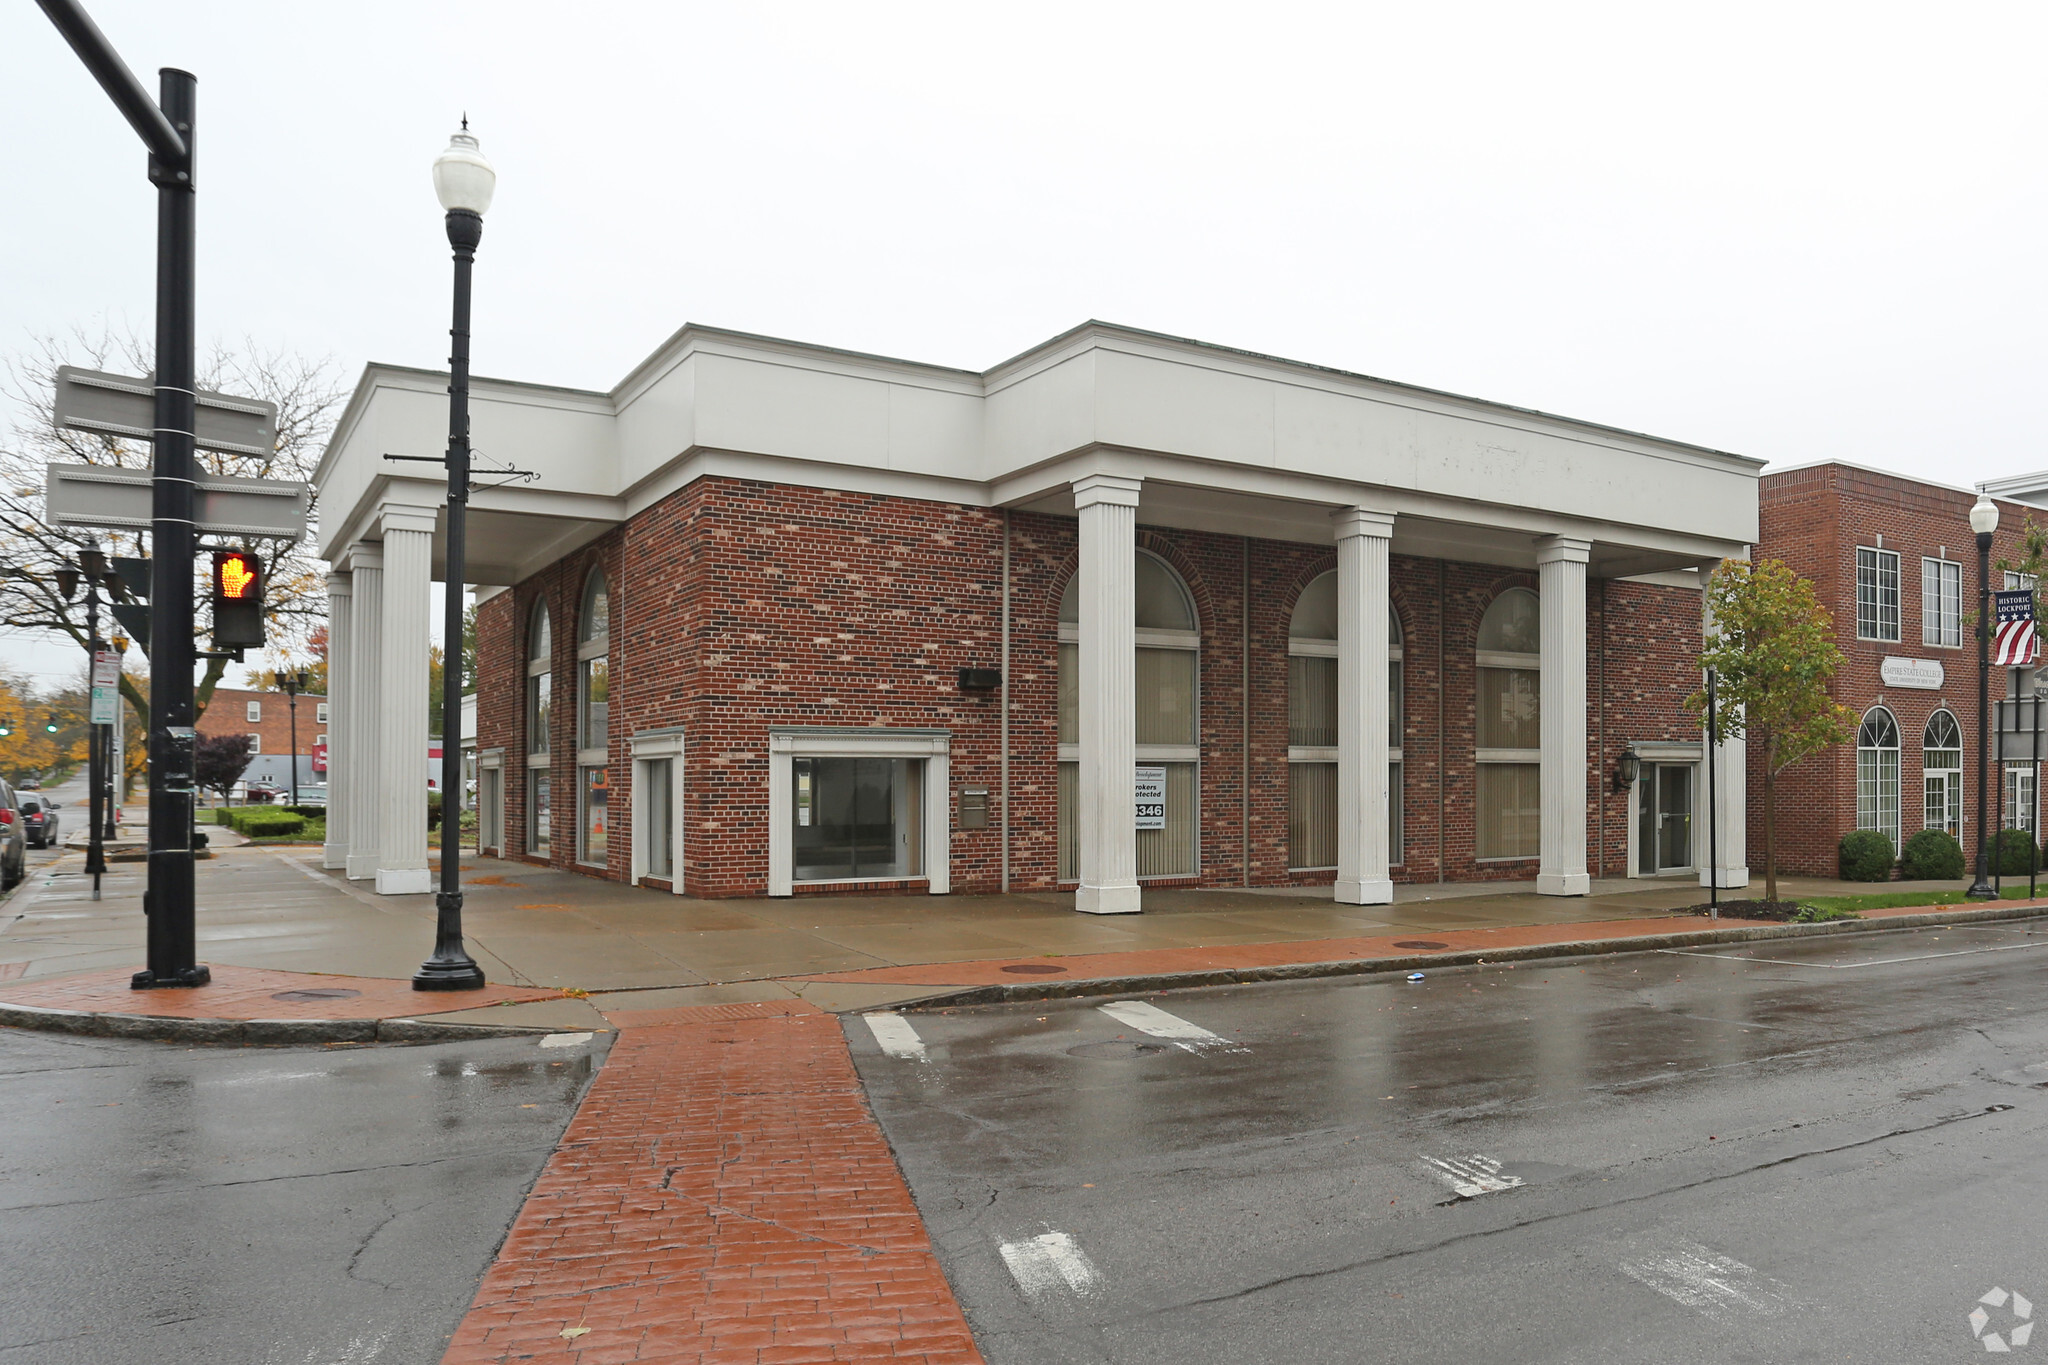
121, 405
1151, 798
124, 500
106, 687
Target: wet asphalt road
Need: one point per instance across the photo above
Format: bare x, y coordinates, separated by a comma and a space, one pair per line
1791, 1152
262, 1206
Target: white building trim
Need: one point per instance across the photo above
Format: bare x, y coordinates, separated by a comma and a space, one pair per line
935, 804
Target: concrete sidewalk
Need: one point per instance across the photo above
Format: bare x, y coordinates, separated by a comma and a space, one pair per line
608, 948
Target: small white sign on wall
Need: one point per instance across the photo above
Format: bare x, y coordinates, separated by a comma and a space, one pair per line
1150, 792
1924, 674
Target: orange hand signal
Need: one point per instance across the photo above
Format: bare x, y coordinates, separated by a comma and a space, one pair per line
235, 577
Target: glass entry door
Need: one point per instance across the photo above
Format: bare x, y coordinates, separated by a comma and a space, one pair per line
1664, 818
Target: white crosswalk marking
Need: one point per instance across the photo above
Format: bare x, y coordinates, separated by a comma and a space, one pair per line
1471, 1176
1720, 1287
896, 1036
1157, 1022
1047, 1262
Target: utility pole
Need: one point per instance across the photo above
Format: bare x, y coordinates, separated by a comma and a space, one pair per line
168, 127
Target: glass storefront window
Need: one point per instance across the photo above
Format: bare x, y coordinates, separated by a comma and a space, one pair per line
593, 694
537, 811
596, 803
660, 819
857, 819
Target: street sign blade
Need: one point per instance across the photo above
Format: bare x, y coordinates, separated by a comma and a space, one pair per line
134, 618
134, 575
125, 406
124, 500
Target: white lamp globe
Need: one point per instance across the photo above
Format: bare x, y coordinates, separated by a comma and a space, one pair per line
1984, 516
463, 179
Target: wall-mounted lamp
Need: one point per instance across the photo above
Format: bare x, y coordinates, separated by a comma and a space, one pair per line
1626, 770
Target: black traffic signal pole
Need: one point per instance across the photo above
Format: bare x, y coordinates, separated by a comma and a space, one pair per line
451, 968
167, 127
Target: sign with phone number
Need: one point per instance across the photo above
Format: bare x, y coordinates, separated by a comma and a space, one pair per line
1150, 792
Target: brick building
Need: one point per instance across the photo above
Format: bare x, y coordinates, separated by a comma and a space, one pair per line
1125, 611
1893, 560
266, 717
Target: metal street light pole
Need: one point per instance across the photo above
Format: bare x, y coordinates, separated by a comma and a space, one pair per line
1983, 521
464, 181
293, 684
167, 126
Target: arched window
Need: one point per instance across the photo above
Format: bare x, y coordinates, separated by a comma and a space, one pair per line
1168, 666
1877, 774
1941, 771
540, 651
1508, 801
1312, 729
593, 710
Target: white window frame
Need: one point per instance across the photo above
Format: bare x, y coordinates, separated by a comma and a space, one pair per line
255, 745
253, 712
1660, 752
1532, 663
1950, 780
649, 748
786, 744
490, 817
1895, 749
2019, 776
1941, 613
320, 713
1877, 622
1397, 820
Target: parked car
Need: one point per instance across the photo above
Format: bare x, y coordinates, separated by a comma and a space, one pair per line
13, 839
262, 791
39, 819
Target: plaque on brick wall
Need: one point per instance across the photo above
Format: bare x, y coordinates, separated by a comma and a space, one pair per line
1925, 674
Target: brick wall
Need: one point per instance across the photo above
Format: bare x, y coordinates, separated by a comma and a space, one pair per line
1814, 519
227, 714
738, 606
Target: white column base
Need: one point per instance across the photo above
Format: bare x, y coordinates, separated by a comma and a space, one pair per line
1108, 900
1731, 878
1366, 892
404, 881
1565, 884
362, 866
334, 856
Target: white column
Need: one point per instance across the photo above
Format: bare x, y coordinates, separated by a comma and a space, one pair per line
1362, 701
1561, 562
340, 649
363, 758
1105, 818
1730, 816
402, 800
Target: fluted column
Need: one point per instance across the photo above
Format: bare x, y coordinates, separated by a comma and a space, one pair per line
340, 648
1730, 815
1561, 562
402, 801
1362, 702
1105, 817
364, 755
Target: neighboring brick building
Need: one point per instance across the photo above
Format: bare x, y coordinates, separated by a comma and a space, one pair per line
266, 717
749, 632
1894, 561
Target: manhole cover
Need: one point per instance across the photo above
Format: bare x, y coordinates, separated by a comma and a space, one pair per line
317, 993
1420, 943
1032, 969
1116, 1052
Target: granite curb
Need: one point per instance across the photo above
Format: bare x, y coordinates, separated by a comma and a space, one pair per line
253, 1032
1466, 957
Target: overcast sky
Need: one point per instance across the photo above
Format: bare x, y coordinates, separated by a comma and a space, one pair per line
1795, 231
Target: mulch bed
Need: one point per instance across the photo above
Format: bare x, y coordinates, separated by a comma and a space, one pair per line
1746, 909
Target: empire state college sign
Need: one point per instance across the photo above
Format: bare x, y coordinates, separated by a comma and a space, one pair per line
1925, 674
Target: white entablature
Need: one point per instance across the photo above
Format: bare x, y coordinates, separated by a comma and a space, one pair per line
1223, 440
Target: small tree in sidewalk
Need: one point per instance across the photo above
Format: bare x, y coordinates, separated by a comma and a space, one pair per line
1773, 649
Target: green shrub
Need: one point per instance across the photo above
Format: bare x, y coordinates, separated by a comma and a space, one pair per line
223, 816
2012, 853
271, 824
1932, 855
310, 812
1866, 856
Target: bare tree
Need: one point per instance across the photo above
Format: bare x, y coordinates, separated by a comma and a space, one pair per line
308, 395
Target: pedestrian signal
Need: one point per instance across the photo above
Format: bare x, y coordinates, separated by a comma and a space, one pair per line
237, 600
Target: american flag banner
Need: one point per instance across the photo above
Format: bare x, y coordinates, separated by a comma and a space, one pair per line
2015, 645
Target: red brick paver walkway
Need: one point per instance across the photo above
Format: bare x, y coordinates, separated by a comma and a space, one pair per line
252, 993
722, 1195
